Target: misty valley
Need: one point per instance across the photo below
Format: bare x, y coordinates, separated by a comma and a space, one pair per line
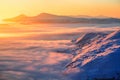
51, 51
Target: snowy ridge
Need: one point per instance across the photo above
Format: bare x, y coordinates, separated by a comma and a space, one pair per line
97, 55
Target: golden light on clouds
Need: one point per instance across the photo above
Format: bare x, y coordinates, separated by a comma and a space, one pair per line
6, 35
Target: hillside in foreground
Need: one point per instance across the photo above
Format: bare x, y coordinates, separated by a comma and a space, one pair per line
96, 57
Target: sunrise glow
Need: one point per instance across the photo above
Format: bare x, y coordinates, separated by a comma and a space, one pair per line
10, 8
59, 39
5, 35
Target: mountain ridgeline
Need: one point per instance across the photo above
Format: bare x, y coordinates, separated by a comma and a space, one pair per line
97, 55
50, 18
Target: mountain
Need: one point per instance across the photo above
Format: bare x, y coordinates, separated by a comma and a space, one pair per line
97, 57
21, 17
41, 18
51, 18
86, 16
46, 15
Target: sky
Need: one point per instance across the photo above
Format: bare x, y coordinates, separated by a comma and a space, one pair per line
11, 8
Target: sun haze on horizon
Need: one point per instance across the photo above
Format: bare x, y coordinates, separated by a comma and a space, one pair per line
11, 8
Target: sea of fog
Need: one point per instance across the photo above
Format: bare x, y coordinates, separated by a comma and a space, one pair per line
40, 51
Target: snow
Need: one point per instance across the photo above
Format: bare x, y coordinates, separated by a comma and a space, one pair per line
97, 56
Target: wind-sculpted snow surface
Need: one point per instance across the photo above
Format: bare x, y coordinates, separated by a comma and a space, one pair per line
97, 56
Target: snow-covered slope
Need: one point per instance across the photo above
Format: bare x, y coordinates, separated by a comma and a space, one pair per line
97, 55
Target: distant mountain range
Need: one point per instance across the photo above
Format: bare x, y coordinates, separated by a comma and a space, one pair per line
50, 18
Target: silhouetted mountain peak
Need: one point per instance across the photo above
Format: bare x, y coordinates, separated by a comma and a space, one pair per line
46, 15
87, 16
51, 18
21, 16
17, 18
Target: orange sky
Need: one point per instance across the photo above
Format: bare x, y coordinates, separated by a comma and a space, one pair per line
11, 8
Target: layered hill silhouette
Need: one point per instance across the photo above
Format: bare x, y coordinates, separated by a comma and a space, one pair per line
51, 18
